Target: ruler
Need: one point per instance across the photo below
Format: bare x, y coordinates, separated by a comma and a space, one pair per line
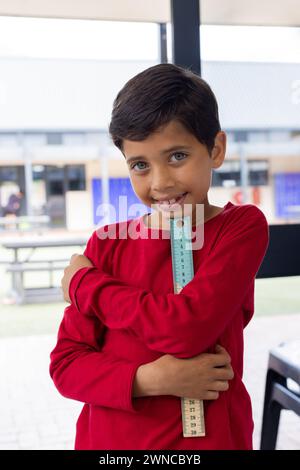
192, 410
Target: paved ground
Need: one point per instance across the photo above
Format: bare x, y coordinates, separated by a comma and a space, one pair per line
35, 416
263, 334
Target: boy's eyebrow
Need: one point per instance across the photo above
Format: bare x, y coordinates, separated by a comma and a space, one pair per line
168, 150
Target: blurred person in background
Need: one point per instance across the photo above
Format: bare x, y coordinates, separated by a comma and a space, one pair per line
13, 205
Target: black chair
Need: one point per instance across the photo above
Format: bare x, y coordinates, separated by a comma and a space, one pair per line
284, 364
282, 259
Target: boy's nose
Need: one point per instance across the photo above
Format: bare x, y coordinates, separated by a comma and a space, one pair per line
162, 184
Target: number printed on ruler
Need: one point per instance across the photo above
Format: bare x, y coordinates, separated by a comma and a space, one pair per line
192, 417
192, 410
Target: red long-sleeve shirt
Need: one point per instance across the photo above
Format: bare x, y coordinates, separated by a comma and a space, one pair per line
124, 313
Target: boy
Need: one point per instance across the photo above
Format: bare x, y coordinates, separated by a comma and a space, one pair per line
124, 312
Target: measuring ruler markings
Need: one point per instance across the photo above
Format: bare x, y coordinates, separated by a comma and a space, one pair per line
192, 409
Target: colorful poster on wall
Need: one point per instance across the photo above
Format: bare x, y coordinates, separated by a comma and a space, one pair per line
287, 195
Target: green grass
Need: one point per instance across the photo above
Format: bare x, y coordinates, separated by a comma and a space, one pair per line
277, 296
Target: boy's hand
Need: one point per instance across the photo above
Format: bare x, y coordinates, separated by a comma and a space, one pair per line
76, 262
201, 377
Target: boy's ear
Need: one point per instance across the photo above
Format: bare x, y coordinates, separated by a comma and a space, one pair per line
219, 150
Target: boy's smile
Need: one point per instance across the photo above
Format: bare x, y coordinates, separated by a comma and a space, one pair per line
170, 168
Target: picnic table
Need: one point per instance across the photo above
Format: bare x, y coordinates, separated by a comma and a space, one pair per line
21, 294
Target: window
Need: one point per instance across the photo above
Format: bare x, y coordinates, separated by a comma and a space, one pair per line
54, 138
230, 174
75, 177
9, 173
258, 173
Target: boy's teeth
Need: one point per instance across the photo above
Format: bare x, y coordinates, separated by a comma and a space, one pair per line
171, 201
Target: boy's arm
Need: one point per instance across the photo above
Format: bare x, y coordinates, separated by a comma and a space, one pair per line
81, 371
149, 381
187, 323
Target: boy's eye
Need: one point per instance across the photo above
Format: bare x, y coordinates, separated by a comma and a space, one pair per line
181, 155
137, 163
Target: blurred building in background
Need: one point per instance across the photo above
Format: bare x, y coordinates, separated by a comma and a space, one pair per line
54, 141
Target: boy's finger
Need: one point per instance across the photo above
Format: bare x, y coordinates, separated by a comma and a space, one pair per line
221, 350
224, 373
221, 357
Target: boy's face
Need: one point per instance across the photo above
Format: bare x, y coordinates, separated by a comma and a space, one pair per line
171, 162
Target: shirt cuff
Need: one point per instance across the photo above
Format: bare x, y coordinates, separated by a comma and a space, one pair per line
130, 402
75, 282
